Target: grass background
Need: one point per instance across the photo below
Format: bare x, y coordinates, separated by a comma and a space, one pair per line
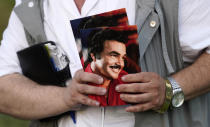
5, 10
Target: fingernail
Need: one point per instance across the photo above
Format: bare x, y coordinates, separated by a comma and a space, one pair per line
97, 103
127, 110
123, 78
67, 82
121, 96
100, 80
103, 91
117, 88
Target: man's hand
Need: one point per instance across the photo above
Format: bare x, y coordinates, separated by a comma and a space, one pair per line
145, 90
25, 99
77, 89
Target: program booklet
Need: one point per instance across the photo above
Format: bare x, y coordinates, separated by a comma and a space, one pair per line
110, 51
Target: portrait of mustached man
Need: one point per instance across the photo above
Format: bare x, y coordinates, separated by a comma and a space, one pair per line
107, 56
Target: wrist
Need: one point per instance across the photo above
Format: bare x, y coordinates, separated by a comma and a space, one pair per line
178, 95
174, 95
168, 97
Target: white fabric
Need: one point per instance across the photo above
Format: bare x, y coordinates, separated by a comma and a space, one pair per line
93, 117
194, 36
13, 40
17, 2
66, 10
57, 27
194, 28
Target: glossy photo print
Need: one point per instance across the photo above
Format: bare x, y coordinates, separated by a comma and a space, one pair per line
107, 19
110, 52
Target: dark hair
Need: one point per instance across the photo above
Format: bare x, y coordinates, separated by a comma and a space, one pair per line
100, 21
97, 39
103, 21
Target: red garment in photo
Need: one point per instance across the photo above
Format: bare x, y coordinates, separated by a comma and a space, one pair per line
113, 97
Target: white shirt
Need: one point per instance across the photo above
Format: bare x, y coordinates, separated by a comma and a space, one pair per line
193, 19
57, 28
194, 29
66, 10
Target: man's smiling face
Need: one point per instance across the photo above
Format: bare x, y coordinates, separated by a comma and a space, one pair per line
111, 60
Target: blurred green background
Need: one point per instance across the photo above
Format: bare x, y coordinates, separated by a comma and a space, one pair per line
5, 10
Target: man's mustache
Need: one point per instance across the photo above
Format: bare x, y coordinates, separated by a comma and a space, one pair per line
115, 67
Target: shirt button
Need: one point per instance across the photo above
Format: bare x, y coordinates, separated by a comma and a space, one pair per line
31, 4
152, 24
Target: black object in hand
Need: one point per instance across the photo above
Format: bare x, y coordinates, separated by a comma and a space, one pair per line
38, 65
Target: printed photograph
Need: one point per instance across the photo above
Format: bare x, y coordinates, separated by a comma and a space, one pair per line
107, 19
110, 52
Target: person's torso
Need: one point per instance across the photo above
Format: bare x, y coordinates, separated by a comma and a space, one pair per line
57, 16
85, 116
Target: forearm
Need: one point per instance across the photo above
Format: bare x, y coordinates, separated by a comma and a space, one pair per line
195, 79
23, 98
